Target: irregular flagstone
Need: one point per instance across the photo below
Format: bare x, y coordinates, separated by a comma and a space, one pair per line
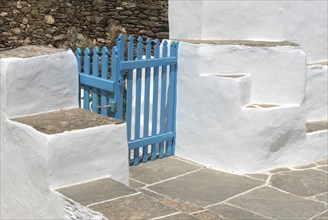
322, 162
96, 191
205, 187
273, 203
133, 207
323, 216
323, 197
324, 168
303, 183
181, 205
278, 170
179, 216
259, 176
160, 170
135, 185
208, 215
306, 166
231, 212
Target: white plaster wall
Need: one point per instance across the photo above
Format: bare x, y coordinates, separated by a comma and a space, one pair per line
32, 162
278, 73
40, 84
217, 128
25, 192
303, 22
316, 99
93, 153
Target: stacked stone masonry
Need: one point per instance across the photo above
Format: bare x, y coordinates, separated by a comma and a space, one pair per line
82, 23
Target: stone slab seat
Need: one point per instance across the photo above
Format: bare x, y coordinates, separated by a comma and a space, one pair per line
81, 145
65, 120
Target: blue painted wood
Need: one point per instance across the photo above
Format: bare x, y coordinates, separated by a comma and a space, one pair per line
119, 79
163, 100
86, 95
174, 70
114, 70
95, 73
171, 101
134, 144
89, 80
138, 101
79, 66
148, 63
165, 137
146, 101
129, 91
155, 101
104, 75
129, 88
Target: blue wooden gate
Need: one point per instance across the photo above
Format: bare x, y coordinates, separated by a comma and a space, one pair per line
146, 83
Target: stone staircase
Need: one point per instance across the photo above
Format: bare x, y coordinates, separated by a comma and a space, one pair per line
173, 188
247, 102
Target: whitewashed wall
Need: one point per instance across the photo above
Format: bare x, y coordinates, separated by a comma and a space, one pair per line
252, 121
33, 163
303, 22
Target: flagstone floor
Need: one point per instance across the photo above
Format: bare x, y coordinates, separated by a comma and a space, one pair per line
173, 188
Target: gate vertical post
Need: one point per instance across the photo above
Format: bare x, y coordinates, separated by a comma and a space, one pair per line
114, 70
119, 80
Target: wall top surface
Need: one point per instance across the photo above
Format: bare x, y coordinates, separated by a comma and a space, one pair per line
29, 51
65, 120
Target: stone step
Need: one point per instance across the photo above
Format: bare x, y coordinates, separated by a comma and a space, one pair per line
313, 126
79, 145
277, 68
316, 100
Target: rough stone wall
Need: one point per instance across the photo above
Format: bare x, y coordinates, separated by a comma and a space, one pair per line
82, 23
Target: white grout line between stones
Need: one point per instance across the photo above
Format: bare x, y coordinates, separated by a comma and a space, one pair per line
163, 216
171, 178
248, 210
109, 200
318, 214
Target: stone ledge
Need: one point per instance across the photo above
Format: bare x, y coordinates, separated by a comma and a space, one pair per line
65, 120
249, 43
29, 51
312, 126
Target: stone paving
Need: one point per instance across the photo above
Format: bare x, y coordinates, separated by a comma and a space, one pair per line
173, 188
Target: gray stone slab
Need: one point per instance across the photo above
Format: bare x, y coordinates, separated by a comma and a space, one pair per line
205, 187
279, 170
273, 203
65, 120
306, 166
312, 126
231, 212
322, 162
323, 216
135, 185
302, 182
179, 216
30, 51
259, 176
179, 204
324, 168
155, 171
207, 215
249, 43
96, 191
133, 207
322, 197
